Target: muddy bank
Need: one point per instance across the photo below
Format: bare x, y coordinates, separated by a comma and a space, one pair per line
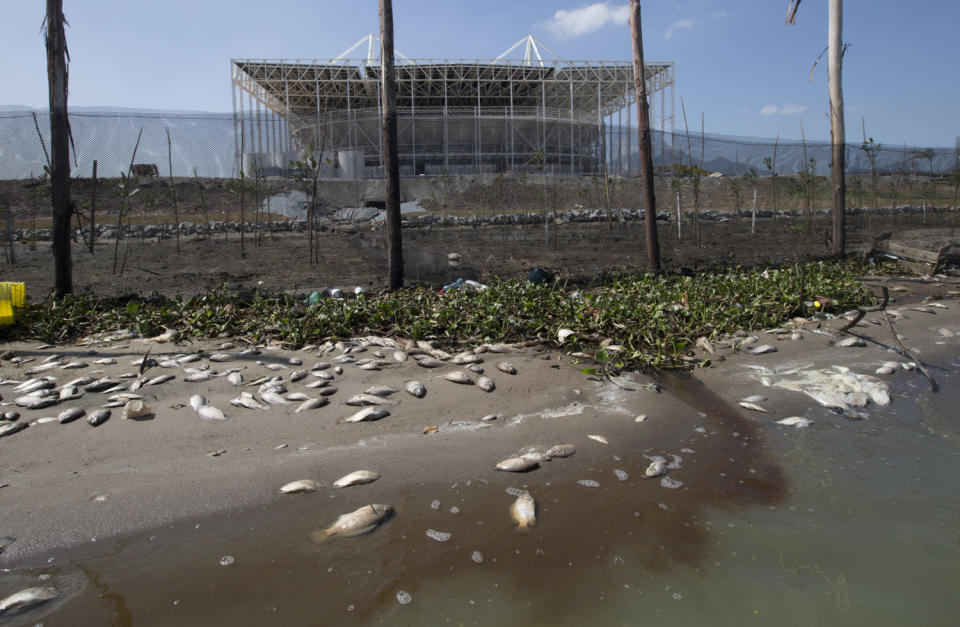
159, 505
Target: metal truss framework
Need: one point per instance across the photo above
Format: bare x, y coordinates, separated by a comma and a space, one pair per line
455, 116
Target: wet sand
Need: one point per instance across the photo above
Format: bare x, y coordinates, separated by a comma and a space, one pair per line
141, 501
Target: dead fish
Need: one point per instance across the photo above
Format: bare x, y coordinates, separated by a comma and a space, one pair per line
356, 523
561, 450
319, 383
198, 377
299, 486
134, 410
756, 398
599, 438
655, 469
209, 412
170, 335
321, 365
188, 359
297, 375
297, 396
370, 366
399, 356
795, 421
44, 401
43, 368
485, 384
888, 367
361, 400
380, 390
220, 357
312, 403
415, 388
197, 401
357, 477
235, 378
12, 427
430, 362
98, 416
762, 349
327, 391
524, 512
69, 392
338, 369
851, 341
465, 358
491, 417
32, 385
106, 361
27, 598
246, 400
370, 413
324, 376
69, 415
73, 365
457, 376
476, 368
506, 366
272, 397
753, 406
160, 379
295, 361
517, 464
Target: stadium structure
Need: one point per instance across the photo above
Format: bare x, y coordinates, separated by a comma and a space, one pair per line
519, 112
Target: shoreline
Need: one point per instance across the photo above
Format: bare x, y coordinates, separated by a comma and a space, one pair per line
159, 473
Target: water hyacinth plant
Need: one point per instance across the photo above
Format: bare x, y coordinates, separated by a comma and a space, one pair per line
655, 319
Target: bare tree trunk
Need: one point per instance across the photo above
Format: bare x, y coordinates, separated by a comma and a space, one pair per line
391, 165
837, 131
643, 129
93, 207
59, 147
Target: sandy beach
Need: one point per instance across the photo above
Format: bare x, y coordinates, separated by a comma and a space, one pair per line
74, 489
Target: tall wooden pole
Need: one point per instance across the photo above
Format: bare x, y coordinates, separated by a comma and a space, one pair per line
643, 130
59, 147
390, 162
837, 130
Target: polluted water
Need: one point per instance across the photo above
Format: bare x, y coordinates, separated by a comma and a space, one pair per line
761, 522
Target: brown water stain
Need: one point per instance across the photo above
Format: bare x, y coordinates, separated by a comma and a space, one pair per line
587, 540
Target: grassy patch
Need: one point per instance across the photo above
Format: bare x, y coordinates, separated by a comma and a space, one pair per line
655, 319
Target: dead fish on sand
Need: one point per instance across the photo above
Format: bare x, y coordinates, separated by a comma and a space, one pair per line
430, 362
599, 438
12, 427
506, 366
851, 341
753, 406
312, 403
457, 376
485, 384
655, 469
524, 512
27, 598
98, 417
301, 485
356, 523
357, 477
561, 450
368, 414
197, 401
361, 400
415, 388
795, 421
380, 390
517, 464
235, 378
246, 400
69, 415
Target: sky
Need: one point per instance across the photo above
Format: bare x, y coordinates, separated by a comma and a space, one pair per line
737, 63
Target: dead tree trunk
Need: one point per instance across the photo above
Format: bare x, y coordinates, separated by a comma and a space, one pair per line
391, 165
643, 128
59, 147
837, 130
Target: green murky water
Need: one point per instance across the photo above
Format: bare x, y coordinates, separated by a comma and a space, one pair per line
843, 523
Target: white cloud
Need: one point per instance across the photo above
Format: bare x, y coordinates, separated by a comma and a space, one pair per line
791, 108
718, 14
586, 19
676, 26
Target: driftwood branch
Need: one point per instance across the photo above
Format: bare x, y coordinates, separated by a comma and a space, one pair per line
906, 353
862, 311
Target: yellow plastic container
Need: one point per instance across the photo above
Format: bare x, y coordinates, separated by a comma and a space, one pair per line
11, 295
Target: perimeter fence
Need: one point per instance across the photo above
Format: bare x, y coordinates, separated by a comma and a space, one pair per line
164, 204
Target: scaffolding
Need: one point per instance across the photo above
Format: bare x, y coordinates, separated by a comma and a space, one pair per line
455, 116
